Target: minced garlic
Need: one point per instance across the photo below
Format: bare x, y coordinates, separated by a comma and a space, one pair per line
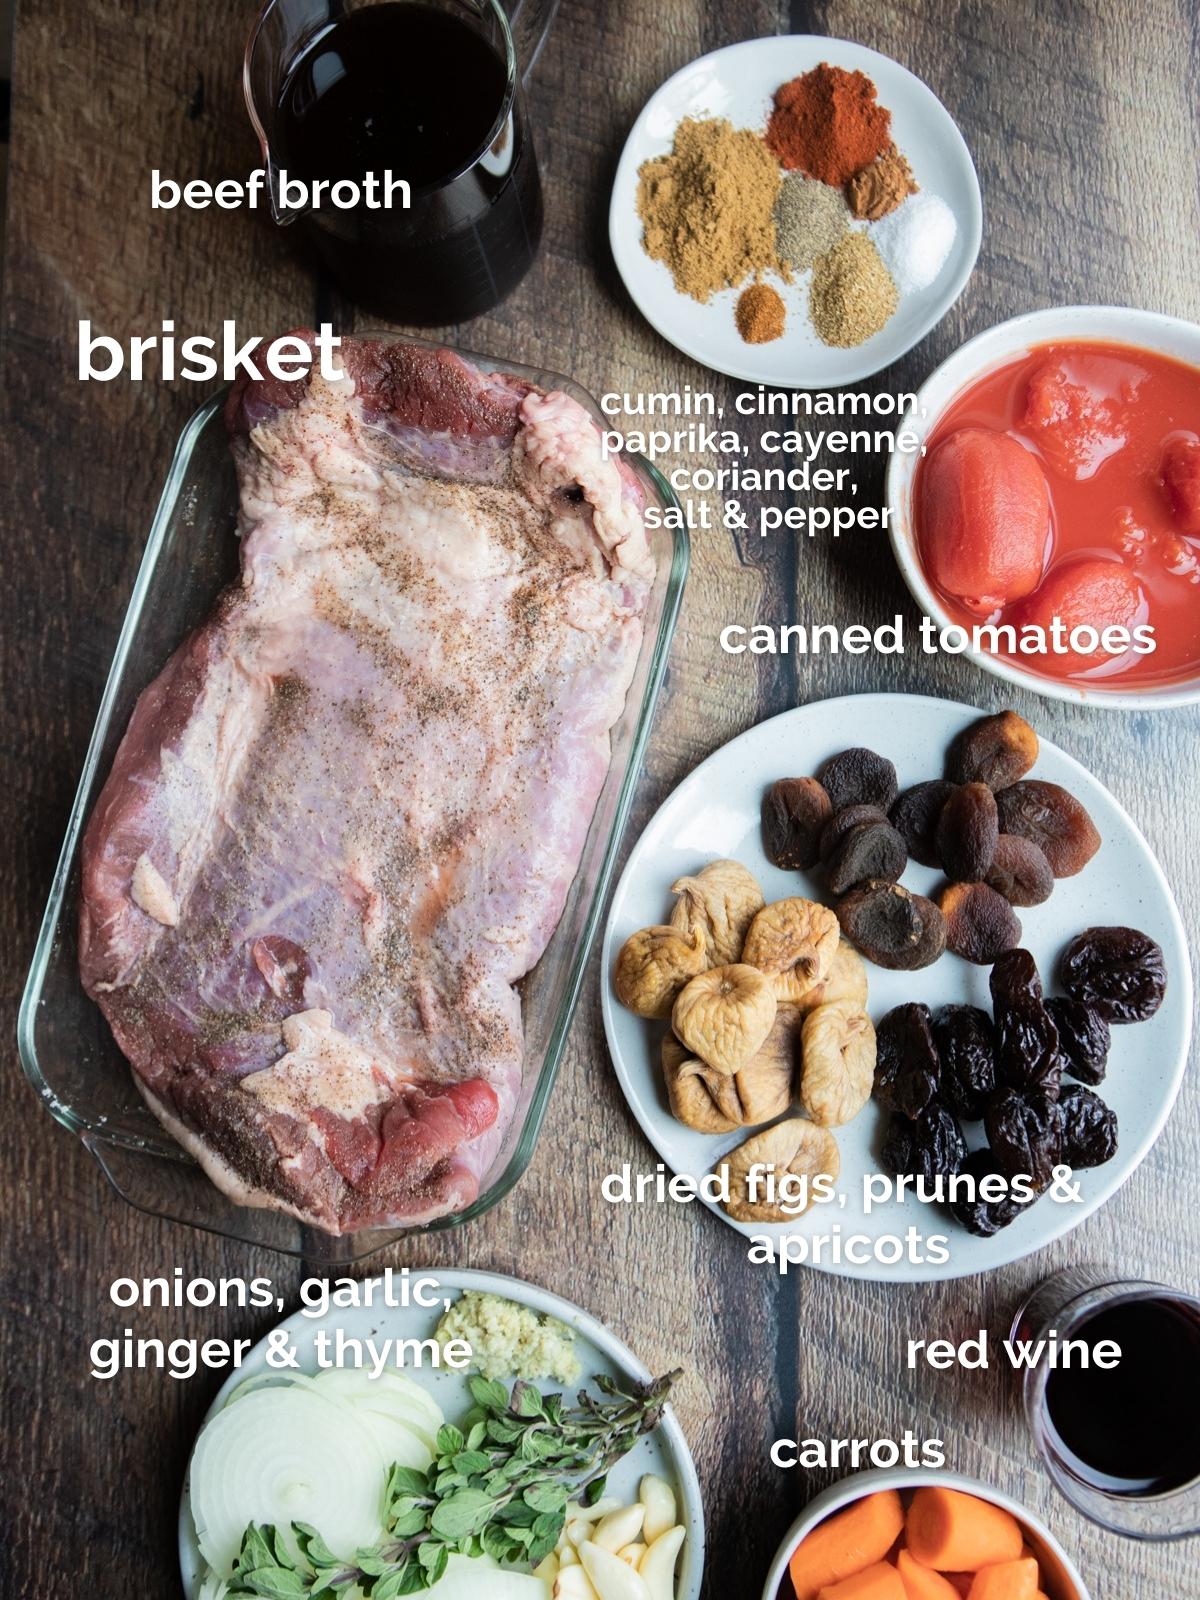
508, 1340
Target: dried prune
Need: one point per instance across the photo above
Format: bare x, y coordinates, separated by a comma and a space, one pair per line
995, 750
859, 777
1027, 1053
840, 824
1118, 971
1084, 1038
892, 927
794, 810
1019, 871
930, 1147
1025, 1132
967, 831
872, 850
1015, 977
966, 1046
977, 1215
1052, 819
907, 1069
1089, 1128
980, 924
915, 816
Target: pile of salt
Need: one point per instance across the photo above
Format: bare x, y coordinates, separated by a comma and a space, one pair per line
915, 241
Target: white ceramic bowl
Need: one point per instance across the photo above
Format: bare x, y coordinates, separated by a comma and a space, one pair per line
1061, 1576
1146, 330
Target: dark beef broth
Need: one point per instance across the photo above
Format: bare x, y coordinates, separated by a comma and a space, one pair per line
1134, 1429
416, 90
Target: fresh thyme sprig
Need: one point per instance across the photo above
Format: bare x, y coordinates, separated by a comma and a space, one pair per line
500, 1485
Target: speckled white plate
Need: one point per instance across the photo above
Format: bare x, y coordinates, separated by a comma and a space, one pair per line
715, 813
738, 83
665, 1451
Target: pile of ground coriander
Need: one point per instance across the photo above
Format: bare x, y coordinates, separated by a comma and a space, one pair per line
853, 294
708, 208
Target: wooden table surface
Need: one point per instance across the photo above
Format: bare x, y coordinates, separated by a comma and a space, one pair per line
1083, 119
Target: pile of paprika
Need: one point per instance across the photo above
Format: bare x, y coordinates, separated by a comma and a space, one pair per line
828, 124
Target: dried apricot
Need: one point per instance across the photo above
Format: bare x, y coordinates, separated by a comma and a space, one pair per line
859, 777
1053, 820
1020, 871
967, 831
840, 824
980, 924
891, 926
915, 817
872, 850
794, 810
996, 750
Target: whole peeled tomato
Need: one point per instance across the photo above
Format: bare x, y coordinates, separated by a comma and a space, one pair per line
984, 518
1085, 593
1181, 480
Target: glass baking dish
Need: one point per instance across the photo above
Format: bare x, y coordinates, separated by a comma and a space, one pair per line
66, 1049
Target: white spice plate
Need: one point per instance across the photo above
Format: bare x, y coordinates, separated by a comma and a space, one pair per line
715, 812
664, 1452
738, 83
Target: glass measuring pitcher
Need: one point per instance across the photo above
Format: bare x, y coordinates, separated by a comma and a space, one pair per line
426, 97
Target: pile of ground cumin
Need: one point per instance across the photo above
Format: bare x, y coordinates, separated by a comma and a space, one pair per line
708, 208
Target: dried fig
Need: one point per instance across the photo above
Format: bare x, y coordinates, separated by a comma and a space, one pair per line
859, 777
967, 831
995, 750
872, 850
1052, 819
794, 811
840, 824
980, 924
847, 980
837, 1053
795, 1153
1020, 872
724, 1016
712, 1102
892, 927
722, 900
653, 966
793, 942
915, 817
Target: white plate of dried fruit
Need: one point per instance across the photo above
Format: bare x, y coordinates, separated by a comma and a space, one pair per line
752, 1008
926, 248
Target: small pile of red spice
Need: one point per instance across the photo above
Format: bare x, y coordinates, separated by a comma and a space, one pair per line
828, 124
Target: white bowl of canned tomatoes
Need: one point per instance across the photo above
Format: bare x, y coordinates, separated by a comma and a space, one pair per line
1049, 525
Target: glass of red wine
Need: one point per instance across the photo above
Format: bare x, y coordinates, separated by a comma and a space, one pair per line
1120, 1435
428, 91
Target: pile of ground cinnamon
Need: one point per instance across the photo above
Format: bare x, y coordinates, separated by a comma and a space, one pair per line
708, 208
877, 190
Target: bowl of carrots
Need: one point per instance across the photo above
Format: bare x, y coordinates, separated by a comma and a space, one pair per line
896, 1535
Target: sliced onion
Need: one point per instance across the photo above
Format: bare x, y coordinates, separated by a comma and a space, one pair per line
285, 1454
400, 1409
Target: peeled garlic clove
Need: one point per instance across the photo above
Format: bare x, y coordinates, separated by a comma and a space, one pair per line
619, 1528
568, 1556
577, 1530
573, 1583
658, 1498
657, 1569
547, 1568
613, 1578
633, 1553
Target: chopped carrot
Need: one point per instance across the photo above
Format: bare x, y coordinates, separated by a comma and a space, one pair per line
923, 1583
956, 1532
846, 1543
878, 1582
962, 1581
1006, 1580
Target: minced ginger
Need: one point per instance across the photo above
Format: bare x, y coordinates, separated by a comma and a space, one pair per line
508, 1340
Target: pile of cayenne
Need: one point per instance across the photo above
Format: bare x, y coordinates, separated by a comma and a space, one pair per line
729, 205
